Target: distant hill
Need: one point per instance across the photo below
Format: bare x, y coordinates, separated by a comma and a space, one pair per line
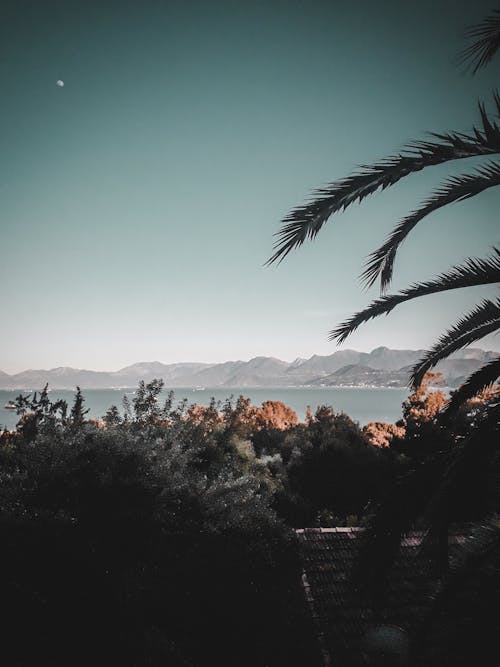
382, 367
179, 374
381, 358
356, 375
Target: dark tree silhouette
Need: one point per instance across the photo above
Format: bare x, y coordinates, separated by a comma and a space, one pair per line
452, 475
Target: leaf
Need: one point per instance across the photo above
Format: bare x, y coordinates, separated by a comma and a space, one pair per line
477, 382
474, 271
305, 222
455, 189
484, 319
486, 36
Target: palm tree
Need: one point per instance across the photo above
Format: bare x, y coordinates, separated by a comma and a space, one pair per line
434, 488
306, 221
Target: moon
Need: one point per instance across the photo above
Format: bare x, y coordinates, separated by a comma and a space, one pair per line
60, 83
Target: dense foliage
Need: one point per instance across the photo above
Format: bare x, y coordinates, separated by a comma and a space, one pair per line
449, 465
162, 534
144, 540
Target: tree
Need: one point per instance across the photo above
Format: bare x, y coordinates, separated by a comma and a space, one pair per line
38, 412
381, 434
112, 417
422, 406
275, 415
77, 415
124, 540
145, 402
306, 221
332, 472
457, 477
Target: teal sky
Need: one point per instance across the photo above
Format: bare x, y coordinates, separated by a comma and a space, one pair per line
138, 203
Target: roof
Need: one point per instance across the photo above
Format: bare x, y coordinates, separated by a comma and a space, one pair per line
344, 622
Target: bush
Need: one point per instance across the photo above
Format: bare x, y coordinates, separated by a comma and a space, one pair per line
144, 543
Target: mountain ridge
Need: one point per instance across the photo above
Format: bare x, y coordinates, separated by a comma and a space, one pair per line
382, 367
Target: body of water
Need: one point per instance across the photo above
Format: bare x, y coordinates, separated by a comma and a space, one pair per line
361, 404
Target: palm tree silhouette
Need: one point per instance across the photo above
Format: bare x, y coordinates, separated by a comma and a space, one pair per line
305, 222
460, 627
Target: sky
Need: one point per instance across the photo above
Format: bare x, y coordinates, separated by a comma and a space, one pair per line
138, 203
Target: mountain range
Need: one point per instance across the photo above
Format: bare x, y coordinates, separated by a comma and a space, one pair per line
382, 367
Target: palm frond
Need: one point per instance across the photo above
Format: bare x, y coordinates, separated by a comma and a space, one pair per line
483, 378
395, 517
474, 271
475, 454
460, 623
484, 319
455, 189
305, 222
486, 41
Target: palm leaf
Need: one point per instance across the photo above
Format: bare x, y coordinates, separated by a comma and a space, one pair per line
458, 188
305, 222
484, 319
395, 517
474, 271
468, 459
475, 383
462, 623
486, 36
439, 478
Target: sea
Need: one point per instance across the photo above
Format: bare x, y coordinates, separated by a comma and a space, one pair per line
363, 404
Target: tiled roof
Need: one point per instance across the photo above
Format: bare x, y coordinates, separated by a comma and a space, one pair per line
342, 617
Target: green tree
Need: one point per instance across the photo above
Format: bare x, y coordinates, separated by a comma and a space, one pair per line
112, 417
330, 470
135, 544
77, 415
145, 402
38, 412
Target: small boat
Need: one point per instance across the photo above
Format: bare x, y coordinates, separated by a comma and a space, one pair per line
10, 406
